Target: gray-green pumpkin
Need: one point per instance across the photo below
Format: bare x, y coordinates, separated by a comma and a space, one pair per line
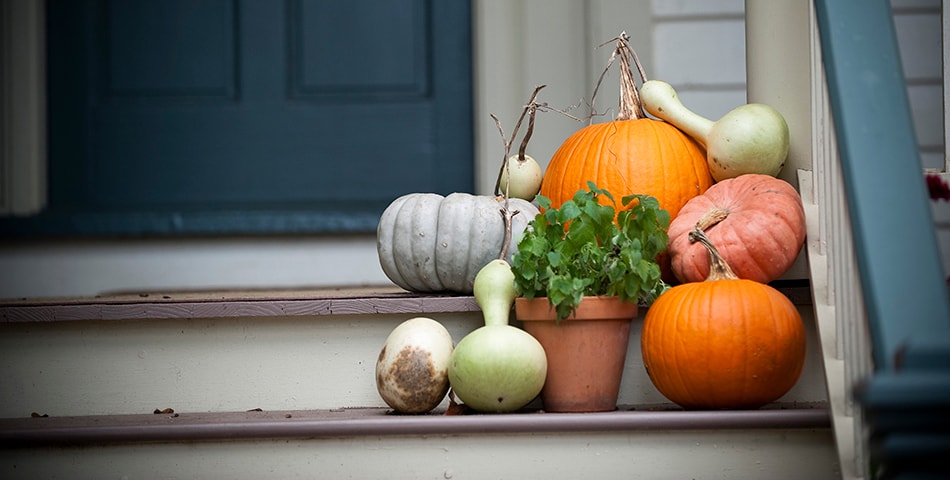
430, 243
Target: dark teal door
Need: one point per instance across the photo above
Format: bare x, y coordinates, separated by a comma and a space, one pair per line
253, 116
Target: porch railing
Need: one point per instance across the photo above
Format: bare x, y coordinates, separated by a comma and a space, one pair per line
906, 398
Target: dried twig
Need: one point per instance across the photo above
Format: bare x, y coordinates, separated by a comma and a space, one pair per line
529, 108
506, 215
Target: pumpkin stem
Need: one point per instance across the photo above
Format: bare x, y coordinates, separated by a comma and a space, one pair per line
718, 268
630, 105
710, 219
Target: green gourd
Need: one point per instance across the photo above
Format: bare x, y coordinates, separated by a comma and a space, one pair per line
497, 367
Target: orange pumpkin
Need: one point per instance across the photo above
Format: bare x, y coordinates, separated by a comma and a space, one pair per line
724, 343
630, 155
756, 221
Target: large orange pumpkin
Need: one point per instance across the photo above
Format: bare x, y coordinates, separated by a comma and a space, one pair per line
630, 155
757, 223
724, 343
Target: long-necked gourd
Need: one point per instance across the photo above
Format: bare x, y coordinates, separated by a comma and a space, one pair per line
752, 138
497, 367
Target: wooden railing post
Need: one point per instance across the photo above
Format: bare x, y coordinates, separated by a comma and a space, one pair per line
895, 243
906, 401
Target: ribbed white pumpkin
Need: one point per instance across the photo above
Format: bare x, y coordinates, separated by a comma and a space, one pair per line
430, 243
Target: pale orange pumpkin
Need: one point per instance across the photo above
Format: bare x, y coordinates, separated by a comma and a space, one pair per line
633, 154
723, 343
756, 221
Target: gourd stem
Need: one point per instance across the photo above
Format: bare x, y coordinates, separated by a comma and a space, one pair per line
531, 107
532, 111
506, 215
718, 268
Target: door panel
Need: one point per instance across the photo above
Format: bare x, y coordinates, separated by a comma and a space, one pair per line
170, 49
380, 50
252, 116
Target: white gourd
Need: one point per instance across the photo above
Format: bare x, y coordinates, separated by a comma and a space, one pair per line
430, 243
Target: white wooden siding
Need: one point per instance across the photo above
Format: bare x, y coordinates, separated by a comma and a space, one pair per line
699, 48
922, 32
918, 25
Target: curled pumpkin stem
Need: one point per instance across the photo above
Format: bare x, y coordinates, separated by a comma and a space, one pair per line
711, 218
718, 268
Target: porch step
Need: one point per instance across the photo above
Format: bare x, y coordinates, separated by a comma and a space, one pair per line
235, 351
372, 443
281, 384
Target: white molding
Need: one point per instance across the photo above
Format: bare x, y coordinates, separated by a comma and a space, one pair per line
782, 73
23, 107
839, 310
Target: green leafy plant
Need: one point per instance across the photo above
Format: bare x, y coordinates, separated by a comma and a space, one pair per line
585, 248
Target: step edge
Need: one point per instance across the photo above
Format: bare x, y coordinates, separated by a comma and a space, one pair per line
409, 304
374, 422
292, 304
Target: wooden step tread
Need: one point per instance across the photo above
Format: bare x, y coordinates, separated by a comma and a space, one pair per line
264, 303
349, 422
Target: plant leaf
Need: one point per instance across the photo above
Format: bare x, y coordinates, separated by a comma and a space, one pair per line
586, 247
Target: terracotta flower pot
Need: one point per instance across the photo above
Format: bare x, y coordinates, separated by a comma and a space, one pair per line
586, 352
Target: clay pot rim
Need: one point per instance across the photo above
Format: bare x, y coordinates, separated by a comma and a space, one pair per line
590, 308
